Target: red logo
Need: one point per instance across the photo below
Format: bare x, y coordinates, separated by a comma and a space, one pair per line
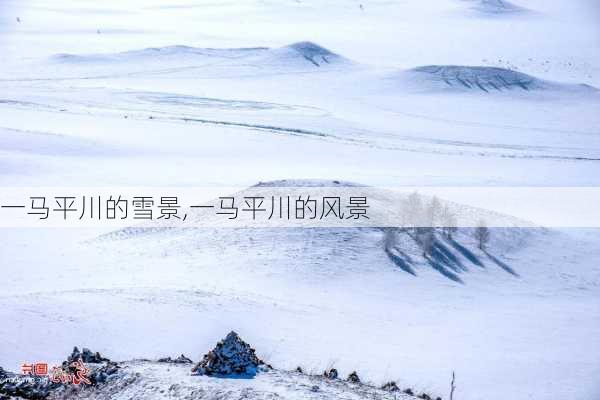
39, 369
76, 373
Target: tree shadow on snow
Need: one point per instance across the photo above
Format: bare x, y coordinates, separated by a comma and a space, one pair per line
401, 260
445, 262
441, 259
443, 255
466, 253
502, 264
443, 270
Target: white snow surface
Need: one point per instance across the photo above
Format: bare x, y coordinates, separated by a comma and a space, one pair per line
452, 92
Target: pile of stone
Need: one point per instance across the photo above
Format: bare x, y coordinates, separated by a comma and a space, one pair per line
231, 356
100, 372
390, 387
87, 356
179, 360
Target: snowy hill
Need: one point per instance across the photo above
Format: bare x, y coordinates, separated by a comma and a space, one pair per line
299, 54
201, 61
289, 250
455, 78
496, 7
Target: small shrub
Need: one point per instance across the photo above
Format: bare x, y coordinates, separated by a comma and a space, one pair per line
353, 377
331, 373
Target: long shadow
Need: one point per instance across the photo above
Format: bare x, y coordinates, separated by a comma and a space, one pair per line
401, 260
468, 254
502, 265
442, 270
443, 255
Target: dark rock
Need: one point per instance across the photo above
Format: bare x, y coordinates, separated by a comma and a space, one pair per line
299, 370
179, 360
86, 355
390, 387
103, 373
331, 373
315, 388
424, 396
353, 377
231, 356
409, 392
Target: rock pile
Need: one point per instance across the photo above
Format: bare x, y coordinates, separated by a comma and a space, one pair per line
231, 356
179, 360
98, 373
86, 355
103, 373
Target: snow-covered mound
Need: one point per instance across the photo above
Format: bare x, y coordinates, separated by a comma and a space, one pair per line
301, 54
480, 78
190, 62
496, 7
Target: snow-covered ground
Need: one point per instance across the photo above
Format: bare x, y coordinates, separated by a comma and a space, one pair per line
147, 380
451, 92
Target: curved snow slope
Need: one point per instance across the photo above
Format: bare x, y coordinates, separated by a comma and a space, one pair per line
481, 78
